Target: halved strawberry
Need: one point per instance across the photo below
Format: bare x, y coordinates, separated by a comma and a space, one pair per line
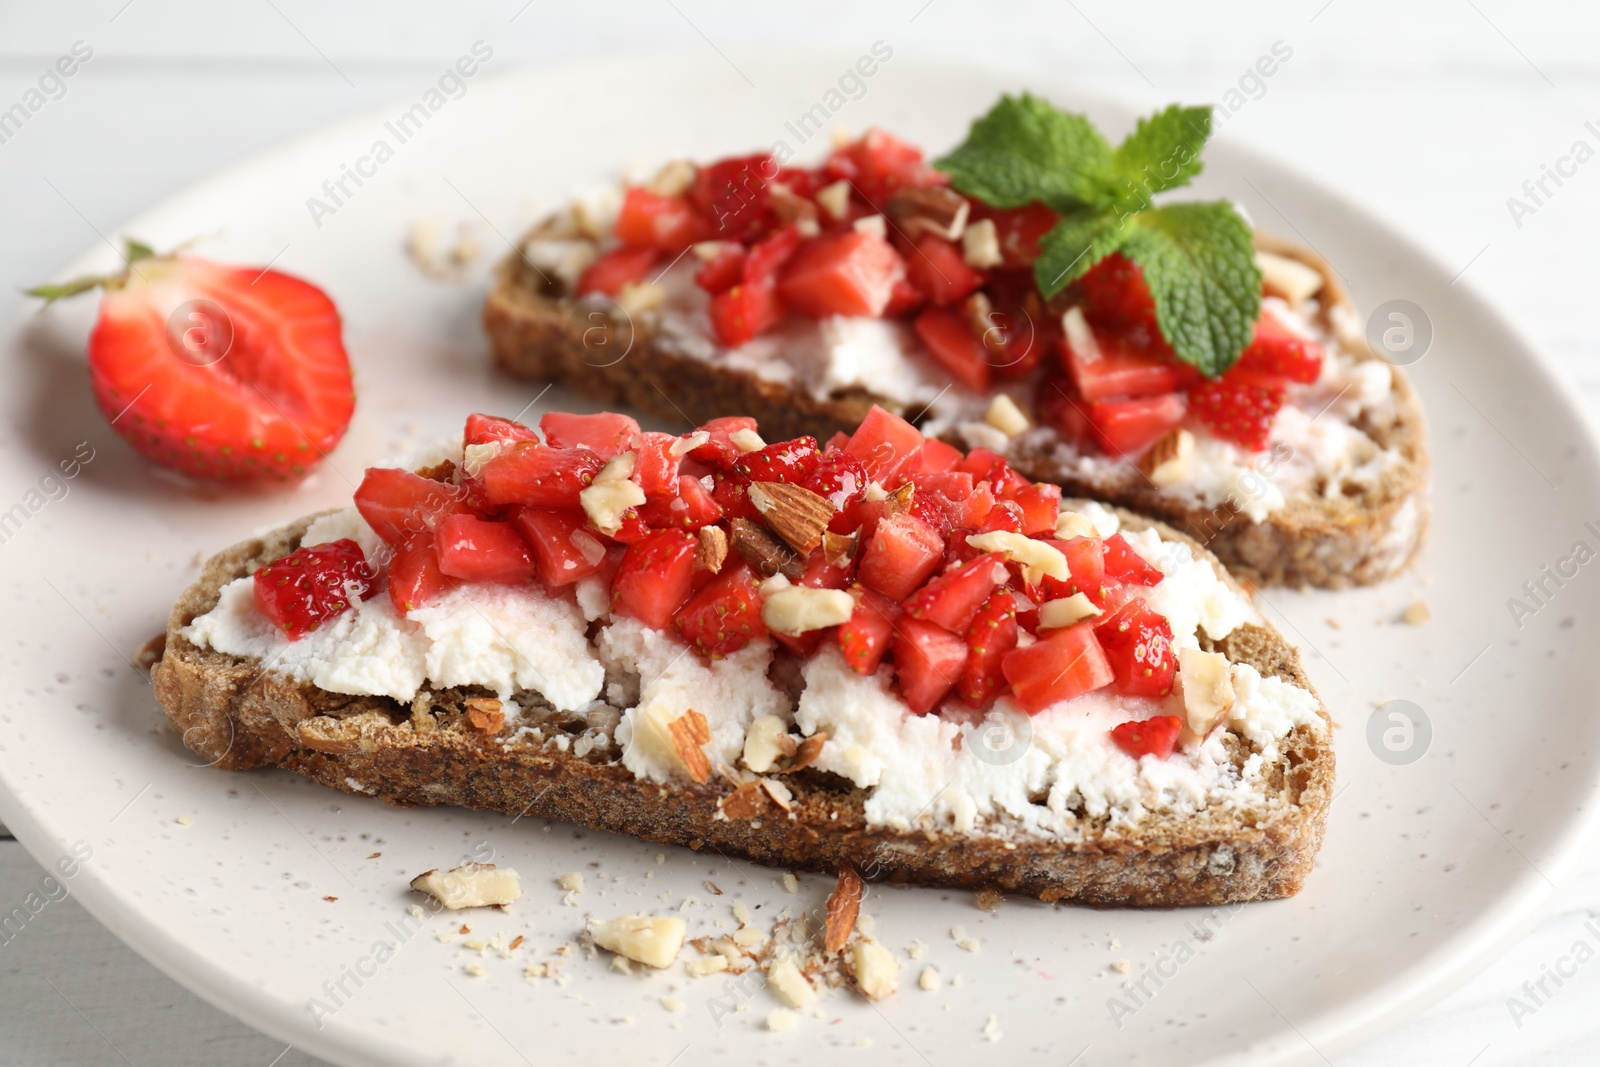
953, 598
617, 268
1156, 736
743, 311
650, 220
414, 574
865, 638
782, 461
901, 555
1138, 645
1066, 664
655, 577
850, 273
952, 344
563, 547
928, 661
1124, 564
478, 550
725, 615
538, 475
1237, 410
604, 434
990, 635
1277, 351
937, 268
235, 374
399, 505
311, 585
883, 442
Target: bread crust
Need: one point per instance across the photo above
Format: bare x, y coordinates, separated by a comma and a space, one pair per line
237, 716
536, 332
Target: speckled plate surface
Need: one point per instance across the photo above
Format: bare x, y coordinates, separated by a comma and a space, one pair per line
285, 904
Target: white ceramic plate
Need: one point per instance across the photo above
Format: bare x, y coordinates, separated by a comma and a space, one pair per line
279, 891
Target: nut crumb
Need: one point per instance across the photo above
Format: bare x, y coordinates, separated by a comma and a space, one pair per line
672, 1003
1121, 966
864, 1041
989, 900
1333, 623
968, 944
991, 1029
791, 884
929, 979
186, 820
917, 949
782, 1019
1416, 613
474, 968
572, 881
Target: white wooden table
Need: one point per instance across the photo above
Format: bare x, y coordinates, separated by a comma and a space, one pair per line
1433, 113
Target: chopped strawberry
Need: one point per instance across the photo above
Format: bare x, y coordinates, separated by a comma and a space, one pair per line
1156, 736
655, 577
928, 661
730, 492
650, 220
878, 164
975, 508
720, 451
1057, 405
616, 268
865, 638
840, 477
952, 344
992, 467
605, 434
700, 508
732, 195
399, 505
1040, 504
782, 461
883, 442
414, 574
478, 550
849, 273
1113, 369
564, 549
903, 552
1086, 562
768, 255
1279, 352
311, 585
953, 486
1138, 645
744, 311
934, 456
723, 271
1066, 664
1125, 564
936, 267
936, 511
1237, 410
990, 635
953, 598
1018, 229
539, 475
486, 429
725, 615
1004, 515
235, 374
655, 468
1128, 427
1116, 296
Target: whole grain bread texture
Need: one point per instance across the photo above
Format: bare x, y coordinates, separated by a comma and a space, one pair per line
237, 715
602, 351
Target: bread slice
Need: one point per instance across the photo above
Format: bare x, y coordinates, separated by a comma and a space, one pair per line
536, 331
238, 714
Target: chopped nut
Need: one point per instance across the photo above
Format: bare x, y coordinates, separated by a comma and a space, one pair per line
780, 793
876, 225
1054, 614
795, 513
709, 250
876, 971
1080, 338
807, 753
674, 179
442, 471
929, 979
1416, 613
838, 549
672, 1003
763, 551
762, 746
1288, 278
991, 1028
901, 499
980, 244
791, 884
706, 965
934, 209
572, 881
1121, 966
835, 199
1167, 461
637, 297
968, 944
746, 440
748, 801
471, 885
1207, 683
844, 905
801, 609
474, 457
780, 1019
790, 206
788, 984
1070, 524
989, 900
607, 499
689, 732
682, 446
711, 549
1005, 416
1036, 557
642, 938
486, 714
985, 325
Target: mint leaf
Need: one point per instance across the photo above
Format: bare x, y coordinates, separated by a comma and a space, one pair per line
1199, 261
1024, 150
1077, 242
1163, 152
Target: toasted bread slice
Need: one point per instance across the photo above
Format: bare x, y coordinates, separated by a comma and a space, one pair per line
536, 331
238, 714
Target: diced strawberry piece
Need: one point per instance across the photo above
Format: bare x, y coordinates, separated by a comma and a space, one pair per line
883, 442
904, 299
1019, 230
974, 510
1113, 369
990, 635
700, 507
837, 442
934, 456
1128, 427
936, 511
1115, 294
605, 434
936, 267
399, 505
767, 256
991, 467
656, 576
1237, 410
1125, 564
720, 451
538, 475
479, 550
1278, 351
617, 268
311, 585
953, 486
928, 661
850, 273
952, 344
632, 528
782, 461
483, 429
414, 575
1065, 664
953, 598
840, 477
730, 493
655, 468
1056, 404
878, 164
1086, 560
1040, 504
564, 549
1156, 736
650, 220
732, 195
723, 271
725, 615
744, 311
1005, 515
820, 574
865, 638
1138, 645
903, 552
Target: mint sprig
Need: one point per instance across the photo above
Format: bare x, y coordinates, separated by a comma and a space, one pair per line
1197, 258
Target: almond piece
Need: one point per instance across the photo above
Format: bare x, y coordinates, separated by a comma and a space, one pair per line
1036, 557
1288, 278
749, 801
781, 794
795, 513
607, 499
1167, 461
981, 319
844, 905
763, 551
806, 753
1005, 416
835, 199
443, 471
682, 446
762, 746
1070, 524
980, 244
711, 549
689, 732
471, 885
876, 225
485, 714
642, 938
674, 179
934, 209
875, 969
800, 609
1054, 614
746, 440
790, 206
838, 549
637, 297
1207, 682
900, 500
788, 984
